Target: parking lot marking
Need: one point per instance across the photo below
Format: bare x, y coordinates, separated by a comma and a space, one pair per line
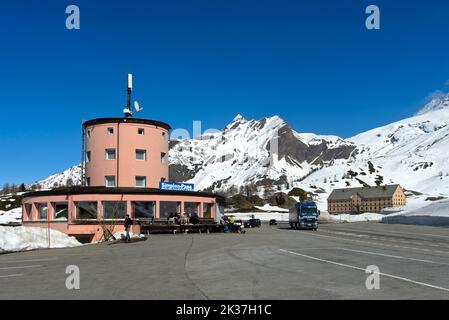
30, 260
20, 267
11, 275
363, 270
376, 243
392, 256
384, 239
403, 232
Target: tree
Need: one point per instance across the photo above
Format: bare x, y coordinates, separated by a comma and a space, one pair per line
6, 188
298, 192
69, 182
371, 168
379, 180
22, 188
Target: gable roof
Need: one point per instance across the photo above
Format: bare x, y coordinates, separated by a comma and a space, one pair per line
363, 192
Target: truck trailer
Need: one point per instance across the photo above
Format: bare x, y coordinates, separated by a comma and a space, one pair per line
304, 215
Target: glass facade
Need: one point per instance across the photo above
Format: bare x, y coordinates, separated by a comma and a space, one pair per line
61, 211
86, 210
191, 208
114, 209
168, 207
42, 210
143, 209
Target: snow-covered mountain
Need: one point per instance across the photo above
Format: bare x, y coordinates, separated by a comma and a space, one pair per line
69, 176
413, 152
240, 155
441, 101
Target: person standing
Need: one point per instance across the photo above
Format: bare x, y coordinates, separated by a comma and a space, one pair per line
128, 224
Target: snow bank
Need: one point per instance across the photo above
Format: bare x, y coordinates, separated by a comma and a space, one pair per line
356, 217
30, 238
263, 216
11, 216
122, 235
269, 208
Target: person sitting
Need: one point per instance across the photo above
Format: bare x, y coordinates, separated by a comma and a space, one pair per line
194, 219
171, 218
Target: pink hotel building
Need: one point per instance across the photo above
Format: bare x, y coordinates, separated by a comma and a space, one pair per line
124, 161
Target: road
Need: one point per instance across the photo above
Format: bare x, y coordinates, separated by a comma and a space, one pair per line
272, 262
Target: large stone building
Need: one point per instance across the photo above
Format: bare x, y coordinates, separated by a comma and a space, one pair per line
365, 199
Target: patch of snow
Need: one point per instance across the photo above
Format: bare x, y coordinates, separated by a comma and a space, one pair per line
263, 216
14, 239
11, 216
269, 208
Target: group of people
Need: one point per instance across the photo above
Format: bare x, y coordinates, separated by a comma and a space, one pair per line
230, 224
184, 218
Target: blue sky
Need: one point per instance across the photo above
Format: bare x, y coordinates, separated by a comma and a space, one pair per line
312, 62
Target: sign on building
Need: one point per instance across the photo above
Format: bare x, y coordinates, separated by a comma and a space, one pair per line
176, 186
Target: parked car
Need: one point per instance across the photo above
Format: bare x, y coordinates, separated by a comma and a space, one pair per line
273, 222
252, 223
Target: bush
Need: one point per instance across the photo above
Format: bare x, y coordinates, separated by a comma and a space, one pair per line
298, 192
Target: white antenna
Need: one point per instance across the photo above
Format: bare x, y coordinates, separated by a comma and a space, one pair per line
130, 81
127, 111
137, 107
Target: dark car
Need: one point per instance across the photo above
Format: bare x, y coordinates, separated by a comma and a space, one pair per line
252, 223
273, 222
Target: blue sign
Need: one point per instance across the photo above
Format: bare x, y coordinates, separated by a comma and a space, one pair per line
176, 186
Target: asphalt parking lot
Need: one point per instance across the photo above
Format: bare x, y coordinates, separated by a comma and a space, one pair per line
271, 262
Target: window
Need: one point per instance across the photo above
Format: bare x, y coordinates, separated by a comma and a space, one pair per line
88, 133
109, 181
143, 209
86, 210
163, 157
167, 207
110, 154
141, 182
141, 131
42, 210
114, 209
61, 211
141, 155
28, 208
163, 179
110, 131
191, 207
164, 135
87, 156
88, 182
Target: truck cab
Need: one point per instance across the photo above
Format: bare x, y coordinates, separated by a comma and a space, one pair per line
304, 215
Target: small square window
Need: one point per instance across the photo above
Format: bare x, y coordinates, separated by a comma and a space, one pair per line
141, 155
110, 154
163, 135
163, 157
110, 130
141, 131
109, 181
88, 133
141, 182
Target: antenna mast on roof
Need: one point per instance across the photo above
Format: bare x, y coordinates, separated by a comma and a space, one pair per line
127, 111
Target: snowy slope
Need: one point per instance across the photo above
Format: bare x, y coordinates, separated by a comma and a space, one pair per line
240, 155
413, 152
71, 175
